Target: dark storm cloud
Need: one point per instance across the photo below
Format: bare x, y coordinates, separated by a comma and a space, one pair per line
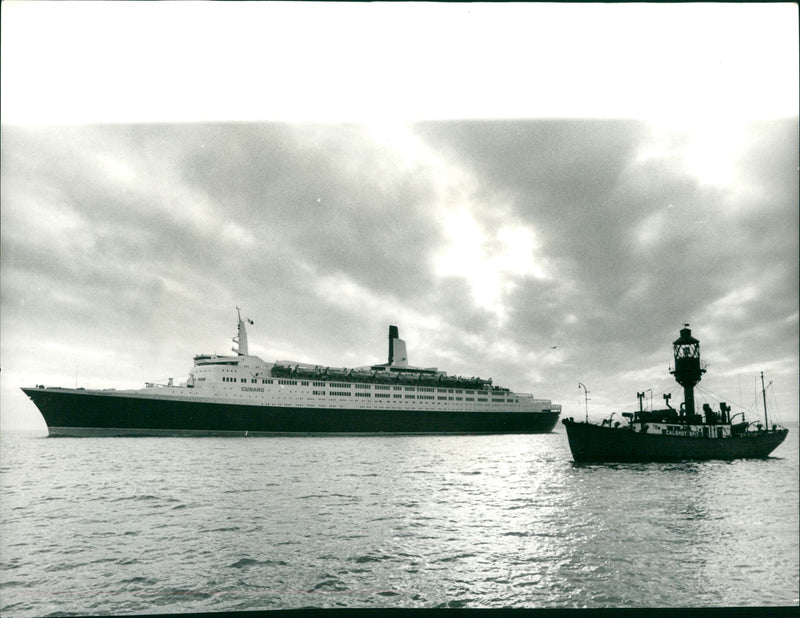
131, 244
149, 228
323, 194
107, 240
300, 196
636, 244
558, 176
561, 178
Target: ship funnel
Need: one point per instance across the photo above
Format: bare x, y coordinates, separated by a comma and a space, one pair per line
241, 339
398, 356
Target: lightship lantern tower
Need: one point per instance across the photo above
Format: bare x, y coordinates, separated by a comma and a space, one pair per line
687, 370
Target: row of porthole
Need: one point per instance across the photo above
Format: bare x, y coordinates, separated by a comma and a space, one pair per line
422, 397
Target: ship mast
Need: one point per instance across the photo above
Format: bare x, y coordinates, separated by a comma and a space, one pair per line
586, 397
241, 339
764, 395
687, 370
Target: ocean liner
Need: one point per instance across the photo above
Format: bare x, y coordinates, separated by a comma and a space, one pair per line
671, 435
242, 395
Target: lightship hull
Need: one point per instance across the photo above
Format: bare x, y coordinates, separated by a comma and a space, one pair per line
70, 412
595, 443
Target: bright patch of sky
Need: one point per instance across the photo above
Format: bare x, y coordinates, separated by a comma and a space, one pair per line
708, 148
487, 263
489, 260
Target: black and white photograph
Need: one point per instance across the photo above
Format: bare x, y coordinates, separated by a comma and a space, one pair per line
399, 305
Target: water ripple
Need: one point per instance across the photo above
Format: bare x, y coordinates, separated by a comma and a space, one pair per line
471, 521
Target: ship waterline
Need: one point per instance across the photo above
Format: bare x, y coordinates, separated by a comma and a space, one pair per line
244, 396
593, 443
83, 413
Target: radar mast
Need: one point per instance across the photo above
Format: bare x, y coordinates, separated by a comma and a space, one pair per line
241, 339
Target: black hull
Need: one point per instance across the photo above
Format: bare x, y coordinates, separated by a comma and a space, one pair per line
84, 413
595, 443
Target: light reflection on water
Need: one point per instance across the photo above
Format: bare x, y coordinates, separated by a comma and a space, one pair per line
143, 525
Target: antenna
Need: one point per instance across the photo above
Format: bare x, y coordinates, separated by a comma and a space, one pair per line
586, 398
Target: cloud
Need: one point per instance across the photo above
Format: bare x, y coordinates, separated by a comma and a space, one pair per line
636, 244
540, 253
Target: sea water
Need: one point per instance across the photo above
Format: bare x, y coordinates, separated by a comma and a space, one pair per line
153, 525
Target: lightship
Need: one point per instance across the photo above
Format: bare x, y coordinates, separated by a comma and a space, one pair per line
669, 434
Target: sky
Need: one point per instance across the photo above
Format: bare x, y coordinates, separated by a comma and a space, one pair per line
543, 194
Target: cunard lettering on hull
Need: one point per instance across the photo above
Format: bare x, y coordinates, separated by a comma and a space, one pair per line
244, 395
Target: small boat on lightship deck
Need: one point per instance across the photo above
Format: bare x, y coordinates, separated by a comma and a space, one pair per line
672, 435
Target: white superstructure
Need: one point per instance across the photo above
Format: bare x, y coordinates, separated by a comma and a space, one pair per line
396, 385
